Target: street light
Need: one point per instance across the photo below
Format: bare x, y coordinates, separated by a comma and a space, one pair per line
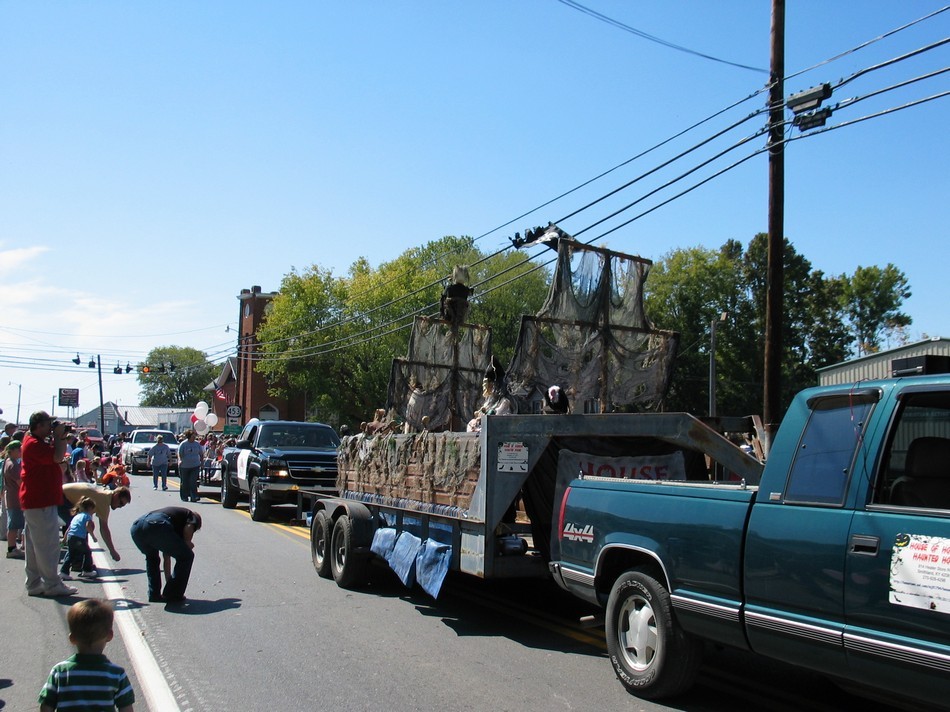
712, 362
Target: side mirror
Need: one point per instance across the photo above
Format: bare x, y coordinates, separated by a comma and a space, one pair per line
243, 444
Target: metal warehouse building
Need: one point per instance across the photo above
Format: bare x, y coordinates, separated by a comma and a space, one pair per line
930, 356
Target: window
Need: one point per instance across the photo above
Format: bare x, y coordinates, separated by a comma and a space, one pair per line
916, 464
822, 465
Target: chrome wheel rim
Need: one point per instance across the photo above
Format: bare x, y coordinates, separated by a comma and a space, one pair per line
637, 633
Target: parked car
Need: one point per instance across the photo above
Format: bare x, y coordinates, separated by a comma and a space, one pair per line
92, 435
134, 453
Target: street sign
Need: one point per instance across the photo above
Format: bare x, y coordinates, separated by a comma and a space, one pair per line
232, 429
69, 397
234, 411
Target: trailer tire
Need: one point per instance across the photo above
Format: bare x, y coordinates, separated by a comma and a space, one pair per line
229, 493
348, 568
258, 507
321, 534
652, 656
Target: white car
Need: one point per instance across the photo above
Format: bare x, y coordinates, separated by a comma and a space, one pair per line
134, 453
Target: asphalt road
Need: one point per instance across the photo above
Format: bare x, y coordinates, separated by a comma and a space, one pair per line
261, 631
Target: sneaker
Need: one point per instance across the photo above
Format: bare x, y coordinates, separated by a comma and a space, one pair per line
164, 489
58, 591
154, 488
89, 574
15, 554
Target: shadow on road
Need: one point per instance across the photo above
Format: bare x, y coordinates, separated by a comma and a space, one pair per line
198, 606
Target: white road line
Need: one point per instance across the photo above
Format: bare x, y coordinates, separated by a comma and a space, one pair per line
158, 695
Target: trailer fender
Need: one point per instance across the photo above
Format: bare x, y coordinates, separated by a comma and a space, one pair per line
362, 519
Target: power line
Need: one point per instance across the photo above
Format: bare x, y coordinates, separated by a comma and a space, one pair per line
653, 38
320, 350
868, 43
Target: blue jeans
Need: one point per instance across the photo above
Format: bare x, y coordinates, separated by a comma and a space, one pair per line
78, 556
160, 471
154, 534
189, 483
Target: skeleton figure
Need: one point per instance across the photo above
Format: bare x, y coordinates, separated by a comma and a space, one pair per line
496, 397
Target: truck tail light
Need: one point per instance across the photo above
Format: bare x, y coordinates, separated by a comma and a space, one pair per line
560, 515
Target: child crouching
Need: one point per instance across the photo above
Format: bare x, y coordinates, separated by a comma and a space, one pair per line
78, 553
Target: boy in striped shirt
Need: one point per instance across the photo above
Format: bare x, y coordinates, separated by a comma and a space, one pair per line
88, 680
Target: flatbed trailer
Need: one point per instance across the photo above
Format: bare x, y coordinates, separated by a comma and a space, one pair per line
485, 503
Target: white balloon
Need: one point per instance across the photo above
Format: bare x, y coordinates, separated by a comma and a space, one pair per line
201, 410
201, 427
211, 419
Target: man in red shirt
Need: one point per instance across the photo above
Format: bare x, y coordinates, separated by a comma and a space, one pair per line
41, 493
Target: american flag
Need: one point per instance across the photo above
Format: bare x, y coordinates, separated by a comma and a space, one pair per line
219, 393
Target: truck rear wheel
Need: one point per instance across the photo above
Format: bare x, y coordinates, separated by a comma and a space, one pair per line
348, 568
229, 494
258, 506
321, 533
652, 656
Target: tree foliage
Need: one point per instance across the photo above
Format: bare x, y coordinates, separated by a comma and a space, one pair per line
690, 288
177, 377
333, 339
872, 298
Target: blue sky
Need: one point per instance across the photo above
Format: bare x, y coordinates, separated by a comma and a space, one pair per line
159, 157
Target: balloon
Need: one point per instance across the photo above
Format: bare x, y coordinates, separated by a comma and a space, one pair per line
194, 418
211, 419
201, 410
201, 427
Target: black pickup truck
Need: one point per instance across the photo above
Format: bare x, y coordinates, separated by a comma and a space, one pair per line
274, 459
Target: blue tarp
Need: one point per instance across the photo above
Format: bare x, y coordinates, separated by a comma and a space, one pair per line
383, 542
403, 557
432, 564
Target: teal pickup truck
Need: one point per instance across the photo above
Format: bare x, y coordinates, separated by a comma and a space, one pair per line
834, 556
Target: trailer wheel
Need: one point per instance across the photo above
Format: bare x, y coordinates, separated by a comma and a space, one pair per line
321, 533
258, 506
348, 568
229, 495
652, 656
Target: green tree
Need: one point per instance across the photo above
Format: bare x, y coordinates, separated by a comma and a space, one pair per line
690, 288
177, 377
334, 339
872, 298
685, 291
814, 334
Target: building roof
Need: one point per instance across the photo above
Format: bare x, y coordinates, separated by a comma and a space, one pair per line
880, 364
145, 416
889, 354
227, 375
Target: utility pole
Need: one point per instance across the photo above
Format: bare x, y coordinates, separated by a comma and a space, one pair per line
775, 271
102, 415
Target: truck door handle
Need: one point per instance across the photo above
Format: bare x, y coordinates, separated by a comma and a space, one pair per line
864, 545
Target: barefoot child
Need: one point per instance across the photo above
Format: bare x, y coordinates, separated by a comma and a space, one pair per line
88, 680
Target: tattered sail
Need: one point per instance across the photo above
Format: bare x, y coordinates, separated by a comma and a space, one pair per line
592, 337
441, 378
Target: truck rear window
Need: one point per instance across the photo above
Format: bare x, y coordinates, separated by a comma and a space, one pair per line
822, 465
